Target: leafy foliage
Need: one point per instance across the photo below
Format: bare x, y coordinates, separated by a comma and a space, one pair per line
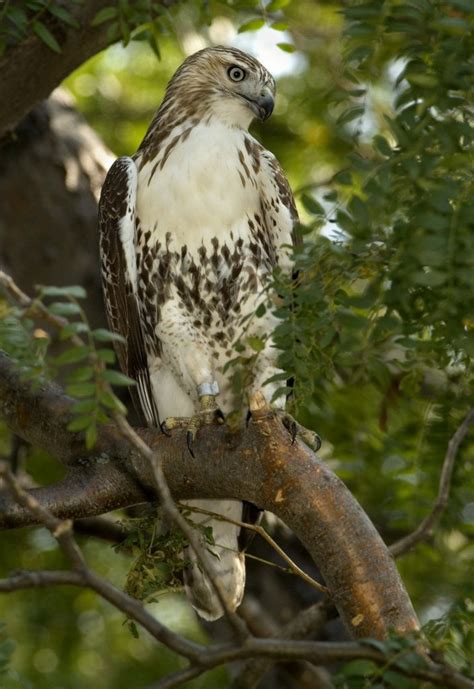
158, 558
90, 380
18, 20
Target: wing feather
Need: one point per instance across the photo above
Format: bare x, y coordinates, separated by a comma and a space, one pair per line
119, 280
279, 208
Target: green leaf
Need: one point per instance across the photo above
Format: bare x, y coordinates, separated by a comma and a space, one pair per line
46, 36
261, 310
74, 291
91, 436
256, 343
18, 16
343, 177
104, 15
64, 308
350, 114
107, 356
117, 378
153, 43
81, 389
112, 402
84, 407
80, 423
103, 335
72, 329
279, 26
81, 375
275, 5
63, 14
286, 47
311, 205
72, 355
252, 25
382, 146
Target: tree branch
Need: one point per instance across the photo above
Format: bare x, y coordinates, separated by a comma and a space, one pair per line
425, 529
172, 511
30, 70
261, 466
83, 576
320, 653
201, 658
307, 623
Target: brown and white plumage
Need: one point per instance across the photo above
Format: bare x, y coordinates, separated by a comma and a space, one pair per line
191, 228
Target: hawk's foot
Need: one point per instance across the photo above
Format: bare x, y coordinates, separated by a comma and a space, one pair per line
208, 415
258, 405
296, 430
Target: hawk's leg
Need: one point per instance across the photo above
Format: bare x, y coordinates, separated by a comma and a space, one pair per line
208, 415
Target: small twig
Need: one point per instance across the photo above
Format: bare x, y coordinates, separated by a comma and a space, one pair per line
176, 679
307, 623
424, 530
256, 528
318, 653
172, 511
35, 306
101, 527
85, 577
61, 530
44, 578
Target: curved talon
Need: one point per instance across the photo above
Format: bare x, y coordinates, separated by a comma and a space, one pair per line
208, 415
295, 430
190, 443
219, 414
164, 429
317, 442
248, 418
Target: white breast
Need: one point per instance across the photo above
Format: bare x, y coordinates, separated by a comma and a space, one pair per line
199, 193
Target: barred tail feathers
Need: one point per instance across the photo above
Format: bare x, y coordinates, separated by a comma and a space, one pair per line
228, 562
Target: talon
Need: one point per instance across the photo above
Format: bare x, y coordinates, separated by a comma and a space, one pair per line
293, 431
317, 442
248, 418
190, 443
219, 415
164, 429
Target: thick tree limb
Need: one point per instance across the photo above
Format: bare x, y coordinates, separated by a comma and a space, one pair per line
261, 466
30, 70
425, 529
39, 69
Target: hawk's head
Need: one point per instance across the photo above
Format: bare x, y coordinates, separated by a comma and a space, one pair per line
224, 82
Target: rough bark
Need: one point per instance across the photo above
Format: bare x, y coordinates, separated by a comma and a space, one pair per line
51, 173
259, 465
30, 70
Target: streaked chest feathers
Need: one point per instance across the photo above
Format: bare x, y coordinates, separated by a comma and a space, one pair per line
201, 237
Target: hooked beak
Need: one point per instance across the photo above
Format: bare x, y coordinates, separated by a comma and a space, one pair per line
262, 105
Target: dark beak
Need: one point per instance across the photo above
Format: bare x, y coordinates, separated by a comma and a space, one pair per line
262, 105
265, 104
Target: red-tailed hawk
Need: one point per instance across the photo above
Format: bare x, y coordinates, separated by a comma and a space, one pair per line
191, 228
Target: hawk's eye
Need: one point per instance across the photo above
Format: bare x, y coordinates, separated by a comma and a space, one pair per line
236, 73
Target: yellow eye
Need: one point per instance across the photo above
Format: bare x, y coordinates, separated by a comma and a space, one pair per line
236, 73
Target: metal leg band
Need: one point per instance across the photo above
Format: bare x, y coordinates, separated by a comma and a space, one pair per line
208, 389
